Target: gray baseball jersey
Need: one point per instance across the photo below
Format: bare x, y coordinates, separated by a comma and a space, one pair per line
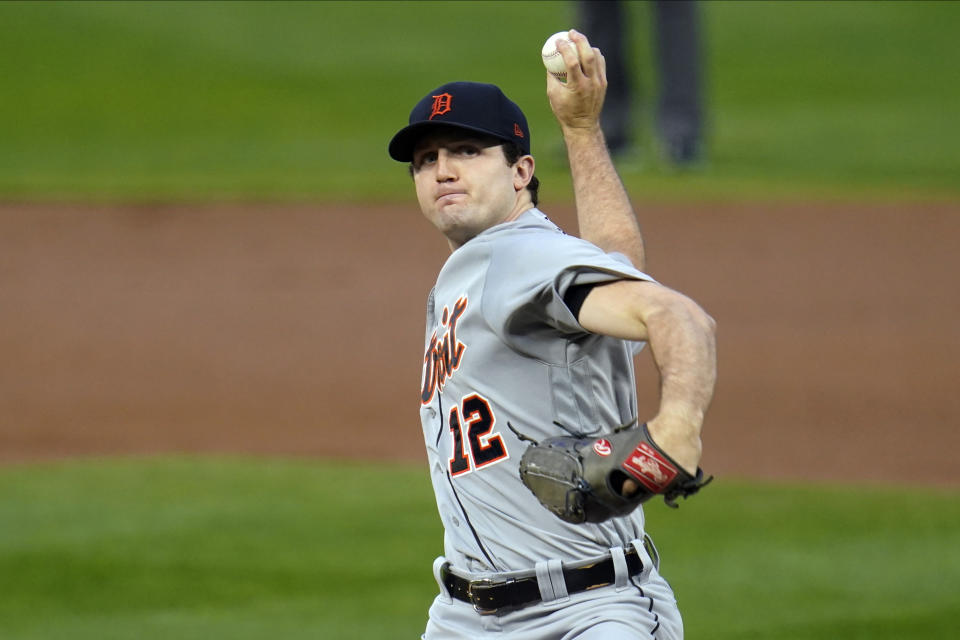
503, 348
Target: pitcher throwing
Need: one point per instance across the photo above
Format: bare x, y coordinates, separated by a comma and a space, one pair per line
538, 456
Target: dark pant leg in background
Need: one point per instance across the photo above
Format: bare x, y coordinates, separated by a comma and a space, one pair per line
679, 110
605, 23
677, 52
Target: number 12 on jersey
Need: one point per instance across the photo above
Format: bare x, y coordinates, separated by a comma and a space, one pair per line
481, 447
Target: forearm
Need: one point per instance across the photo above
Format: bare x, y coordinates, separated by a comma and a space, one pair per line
604, 213
683, 344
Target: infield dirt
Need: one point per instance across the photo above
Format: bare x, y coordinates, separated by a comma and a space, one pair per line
297, 330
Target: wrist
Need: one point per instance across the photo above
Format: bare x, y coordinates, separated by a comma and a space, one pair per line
678, 435
586, 144
585, 132
680, 416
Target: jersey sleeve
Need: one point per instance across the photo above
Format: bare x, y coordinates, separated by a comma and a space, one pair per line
528, 277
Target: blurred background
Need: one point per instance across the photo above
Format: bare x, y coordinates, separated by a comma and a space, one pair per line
212, 279
293, 101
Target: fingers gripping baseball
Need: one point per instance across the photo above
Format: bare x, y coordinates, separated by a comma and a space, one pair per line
577, 103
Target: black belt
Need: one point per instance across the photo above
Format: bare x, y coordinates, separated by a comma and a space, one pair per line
487, 595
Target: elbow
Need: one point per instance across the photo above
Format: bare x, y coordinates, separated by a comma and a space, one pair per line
702, 325
699, 317
708, 323
708, 326
664, 310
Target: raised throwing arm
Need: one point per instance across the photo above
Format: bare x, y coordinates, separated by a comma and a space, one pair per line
604, 213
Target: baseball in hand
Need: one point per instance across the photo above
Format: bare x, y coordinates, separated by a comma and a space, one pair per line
552, 59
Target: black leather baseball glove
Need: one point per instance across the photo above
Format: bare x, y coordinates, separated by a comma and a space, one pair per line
581, 479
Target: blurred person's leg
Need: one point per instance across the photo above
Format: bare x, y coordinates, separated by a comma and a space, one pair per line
604, 22
679, 113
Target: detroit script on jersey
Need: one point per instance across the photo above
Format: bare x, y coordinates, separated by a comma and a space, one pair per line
444, 352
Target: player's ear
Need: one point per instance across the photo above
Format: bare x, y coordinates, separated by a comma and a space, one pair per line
523, 172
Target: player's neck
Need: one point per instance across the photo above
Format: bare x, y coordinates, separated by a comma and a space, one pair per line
519, 210
516, 212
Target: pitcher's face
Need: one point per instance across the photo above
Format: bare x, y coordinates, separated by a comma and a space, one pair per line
464, 184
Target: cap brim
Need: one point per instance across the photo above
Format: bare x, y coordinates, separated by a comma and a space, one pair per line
402, 145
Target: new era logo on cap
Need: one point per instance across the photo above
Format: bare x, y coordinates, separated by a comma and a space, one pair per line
472, 106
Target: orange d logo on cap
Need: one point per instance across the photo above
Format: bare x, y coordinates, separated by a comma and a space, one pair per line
441, 105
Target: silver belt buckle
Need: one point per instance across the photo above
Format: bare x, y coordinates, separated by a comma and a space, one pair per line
476, 598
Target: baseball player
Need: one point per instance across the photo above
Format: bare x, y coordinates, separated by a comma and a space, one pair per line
529, 346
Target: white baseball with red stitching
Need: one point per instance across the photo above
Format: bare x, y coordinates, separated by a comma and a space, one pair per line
552, 59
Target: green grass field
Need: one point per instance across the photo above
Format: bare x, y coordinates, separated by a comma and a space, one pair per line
296, 101
237, 548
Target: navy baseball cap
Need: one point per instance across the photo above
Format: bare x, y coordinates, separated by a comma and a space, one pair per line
473, 106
